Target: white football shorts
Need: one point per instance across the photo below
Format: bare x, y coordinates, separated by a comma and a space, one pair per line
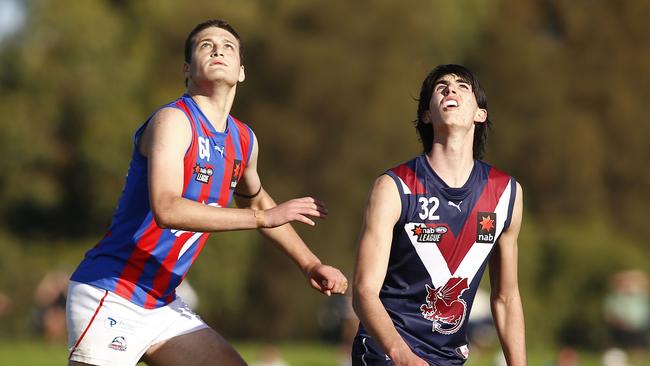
106, 329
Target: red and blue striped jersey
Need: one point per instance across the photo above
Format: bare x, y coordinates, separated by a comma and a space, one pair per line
142, 262
440, 248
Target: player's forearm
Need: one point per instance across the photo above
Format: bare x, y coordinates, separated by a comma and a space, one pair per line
183, 214
375, 319
509, 321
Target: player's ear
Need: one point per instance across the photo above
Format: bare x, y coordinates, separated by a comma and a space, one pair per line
481, 115
426, 117
186, 70
242, 74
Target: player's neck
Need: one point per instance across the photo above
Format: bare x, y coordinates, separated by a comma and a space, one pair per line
215, 103
451, 157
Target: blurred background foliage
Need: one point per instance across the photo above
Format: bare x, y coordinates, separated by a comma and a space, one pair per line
330, 93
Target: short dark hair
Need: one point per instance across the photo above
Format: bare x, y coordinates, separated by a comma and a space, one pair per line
189, 41
425, 130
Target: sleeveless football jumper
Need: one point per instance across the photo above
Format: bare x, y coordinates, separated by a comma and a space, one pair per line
440, 248
137, 259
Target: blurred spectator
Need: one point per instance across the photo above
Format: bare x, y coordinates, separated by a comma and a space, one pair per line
615, 357
270, 356
49, 298
481, 331
340, 324
348, 324
567, 356
5, 304
627, 310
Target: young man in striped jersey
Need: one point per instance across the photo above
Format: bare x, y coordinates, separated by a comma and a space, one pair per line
431, 226
189, 158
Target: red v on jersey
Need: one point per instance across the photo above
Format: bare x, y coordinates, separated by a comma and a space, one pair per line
454, 249
444, 256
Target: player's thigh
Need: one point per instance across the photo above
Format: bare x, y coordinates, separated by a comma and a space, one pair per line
202, 347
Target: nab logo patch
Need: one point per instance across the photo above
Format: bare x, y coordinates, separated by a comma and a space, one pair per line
236, 173
202, 174
118, 344
425, 234
486, 227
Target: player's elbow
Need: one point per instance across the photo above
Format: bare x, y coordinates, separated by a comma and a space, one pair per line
504, 298
361, 295
163, 214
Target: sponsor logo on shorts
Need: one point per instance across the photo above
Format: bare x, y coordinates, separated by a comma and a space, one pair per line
118, 344
126, 326
463, 351
110, 322
486, 227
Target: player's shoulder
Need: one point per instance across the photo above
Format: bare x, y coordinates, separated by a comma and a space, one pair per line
493, 171
408, 165
240, 124
498, 174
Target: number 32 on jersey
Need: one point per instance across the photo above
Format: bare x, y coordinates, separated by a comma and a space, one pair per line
429, 206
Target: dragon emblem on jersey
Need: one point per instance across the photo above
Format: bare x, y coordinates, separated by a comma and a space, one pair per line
444, 306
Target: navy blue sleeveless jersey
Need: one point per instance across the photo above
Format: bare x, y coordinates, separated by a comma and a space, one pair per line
440, 248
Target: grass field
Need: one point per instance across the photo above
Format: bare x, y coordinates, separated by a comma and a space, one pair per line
34, 353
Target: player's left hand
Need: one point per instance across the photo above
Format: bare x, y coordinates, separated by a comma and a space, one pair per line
327, 279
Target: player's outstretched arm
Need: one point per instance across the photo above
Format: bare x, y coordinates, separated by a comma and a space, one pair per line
164, 143
382, 212
507, 308
273, 222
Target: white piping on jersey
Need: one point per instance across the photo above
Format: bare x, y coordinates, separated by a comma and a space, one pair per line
188, 244
405, 188
363, 356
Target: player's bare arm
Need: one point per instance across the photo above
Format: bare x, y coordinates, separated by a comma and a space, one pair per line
382, 212
164, 143
274, 225
506, 303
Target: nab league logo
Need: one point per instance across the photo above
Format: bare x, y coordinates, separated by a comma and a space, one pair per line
444, 307
425, 234
203, 174
486, 227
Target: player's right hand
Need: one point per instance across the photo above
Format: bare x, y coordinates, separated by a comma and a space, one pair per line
299, 209
408, 358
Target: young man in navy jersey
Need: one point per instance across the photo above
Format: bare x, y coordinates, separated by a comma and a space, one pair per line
189, 158
431, 226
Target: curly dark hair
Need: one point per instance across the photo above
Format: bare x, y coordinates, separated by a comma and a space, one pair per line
425, 130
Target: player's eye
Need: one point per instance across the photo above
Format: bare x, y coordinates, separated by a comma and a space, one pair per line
464, 86
205, 45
